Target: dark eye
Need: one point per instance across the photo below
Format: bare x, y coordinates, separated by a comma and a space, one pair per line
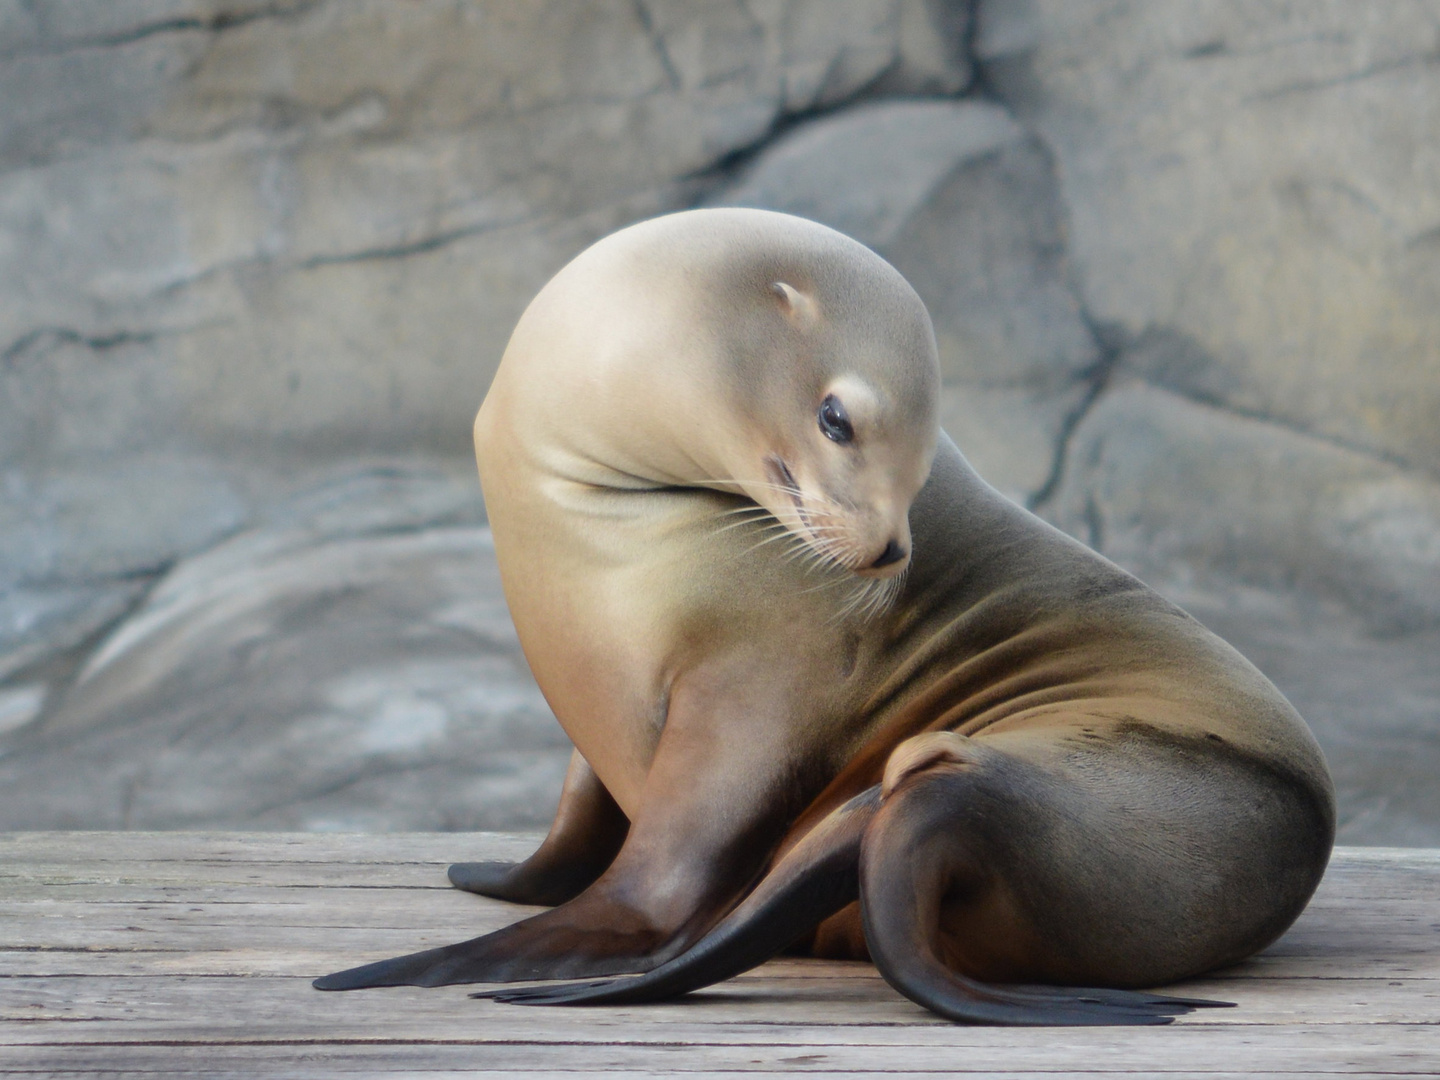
833, 421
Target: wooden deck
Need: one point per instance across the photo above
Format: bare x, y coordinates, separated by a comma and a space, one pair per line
184, 953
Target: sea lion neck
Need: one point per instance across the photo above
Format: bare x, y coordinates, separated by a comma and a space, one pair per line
600, 384
634, 370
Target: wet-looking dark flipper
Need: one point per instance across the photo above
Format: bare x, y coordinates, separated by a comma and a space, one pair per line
815, 879
590, 936
428, 968
928, 983
922, 852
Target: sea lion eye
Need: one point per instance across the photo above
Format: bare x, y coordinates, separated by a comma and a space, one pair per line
833, 421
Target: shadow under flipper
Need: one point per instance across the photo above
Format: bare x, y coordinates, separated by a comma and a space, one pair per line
484, 878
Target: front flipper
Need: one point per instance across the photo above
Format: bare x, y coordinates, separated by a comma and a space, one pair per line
587, 937
814, 880
588, 831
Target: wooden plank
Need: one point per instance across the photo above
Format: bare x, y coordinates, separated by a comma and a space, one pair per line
1350, 867
1383, 927
210, 845
95, 848
1340, 1050
191, 913
167, 1008
183, 954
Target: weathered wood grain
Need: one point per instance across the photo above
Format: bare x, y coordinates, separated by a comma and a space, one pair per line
191, 954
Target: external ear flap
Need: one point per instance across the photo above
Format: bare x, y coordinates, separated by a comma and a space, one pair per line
798, 307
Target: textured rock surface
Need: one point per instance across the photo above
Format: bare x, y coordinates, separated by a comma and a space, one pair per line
350, 666
320, 219
1260, 179
258, 259
1186, 493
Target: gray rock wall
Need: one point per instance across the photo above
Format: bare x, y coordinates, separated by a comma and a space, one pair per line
258, 260
240, 241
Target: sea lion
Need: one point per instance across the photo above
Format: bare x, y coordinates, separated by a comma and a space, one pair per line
826, 685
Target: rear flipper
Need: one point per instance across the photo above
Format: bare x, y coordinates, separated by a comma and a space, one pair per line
964, 1000
930, 845
814, 880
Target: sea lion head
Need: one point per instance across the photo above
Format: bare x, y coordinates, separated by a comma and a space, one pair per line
841, 403
742, 350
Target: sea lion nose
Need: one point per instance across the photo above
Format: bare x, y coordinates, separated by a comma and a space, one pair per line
893, 553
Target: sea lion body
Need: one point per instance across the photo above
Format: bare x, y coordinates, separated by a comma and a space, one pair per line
1031, 766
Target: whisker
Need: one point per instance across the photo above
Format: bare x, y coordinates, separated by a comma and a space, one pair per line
755, 523
769, 540
821, 546
748, 509
829, 583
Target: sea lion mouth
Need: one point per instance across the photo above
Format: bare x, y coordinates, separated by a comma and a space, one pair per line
830, 540
783, 478
780, 472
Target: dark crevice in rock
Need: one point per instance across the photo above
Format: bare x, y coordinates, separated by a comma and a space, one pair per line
1174, 361
1116, 350
1310, 86
153, 572
980, 83
1286, 424
1214, 47
402, 250
733, 162
1096, 378
657, 43
214, 24
46, 337
1428, 238
413, 247
1094, 524
728, 166
63, 335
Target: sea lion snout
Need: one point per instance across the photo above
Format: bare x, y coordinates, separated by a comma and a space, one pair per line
890, 561
893, 553
867, 536
881, 543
